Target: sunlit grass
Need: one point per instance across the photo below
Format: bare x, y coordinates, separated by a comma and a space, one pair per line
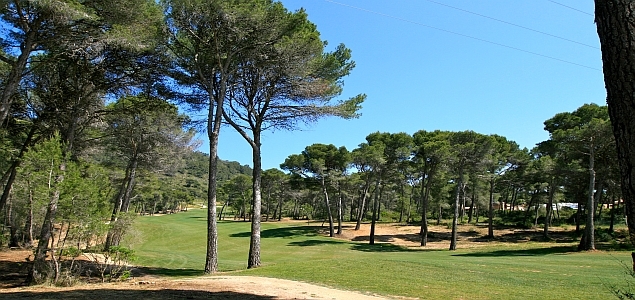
175, 245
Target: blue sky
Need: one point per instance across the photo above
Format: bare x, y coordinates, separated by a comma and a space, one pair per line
448, 65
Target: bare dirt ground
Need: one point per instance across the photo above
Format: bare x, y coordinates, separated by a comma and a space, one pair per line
13, 267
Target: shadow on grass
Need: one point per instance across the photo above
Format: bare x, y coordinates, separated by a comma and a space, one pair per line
132, 294
522, 252
316, 243
140, 271
384, 247
282, 232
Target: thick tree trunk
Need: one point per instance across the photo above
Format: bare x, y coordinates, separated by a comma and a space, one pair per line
254, 242
375, 209
16, 163
213, 132
17, 71
39, 261
588, 243
615, 21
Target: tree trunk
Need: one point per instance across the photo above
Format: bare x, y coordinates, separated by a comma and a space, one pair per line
424, 210
121, 205
462, 209
456, 210
339, 211
13, 168
39, 261
360, 215
125, 204
28, 225
549, 207
588, 243
328, 208
490, 222
578, 217
471, 213
17, 71
613, 209
268, 204
222, 209
254, 242
374, 218
615, 20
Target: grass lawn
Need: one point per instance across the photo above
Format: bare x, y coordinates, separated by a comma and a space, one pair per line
174, 245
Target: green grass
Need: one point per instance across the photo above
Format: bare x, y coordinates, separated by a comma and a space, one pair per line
174, 245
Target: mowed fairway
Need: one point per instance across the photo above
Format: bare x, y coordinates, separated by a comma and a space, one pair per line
175, 245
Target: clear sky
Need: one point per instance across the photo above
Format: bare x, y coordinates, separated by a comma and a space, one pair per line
492, 66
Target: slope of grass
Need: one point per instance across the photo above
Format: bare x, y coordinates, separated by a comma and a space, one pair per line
175, 245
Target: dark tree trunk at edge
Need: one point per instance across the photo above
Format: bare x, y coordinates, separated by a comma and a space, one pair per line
615, 21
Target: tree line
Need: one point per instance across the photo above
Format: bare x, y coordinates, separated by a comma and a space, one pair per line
464, 176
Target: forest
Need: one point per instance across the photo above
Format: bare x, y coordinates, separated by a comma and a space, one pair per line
101, 102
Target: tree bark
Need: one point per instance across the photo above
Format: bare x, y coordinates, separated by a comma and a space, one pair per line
254, 242
213, 129
456, 210
16, 163
17, 70
374, 218
490, 222
588, 243
360, 214
471, 212
615, 21
424, 210
121, 205
549, 208
39, 261
328, 208
339, 210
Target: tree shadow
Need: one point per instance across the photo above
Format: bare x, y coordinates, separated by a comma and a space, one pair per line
315, 243
133, 294
141, 271
384, 247
523, 236
282, 232
522, 252
12, 274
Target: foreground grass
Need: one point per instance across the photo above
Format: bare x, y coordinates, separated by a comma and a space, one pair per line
175, 245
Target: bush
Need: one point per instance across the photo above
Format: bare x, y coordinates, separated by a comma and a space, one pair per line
113, 263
